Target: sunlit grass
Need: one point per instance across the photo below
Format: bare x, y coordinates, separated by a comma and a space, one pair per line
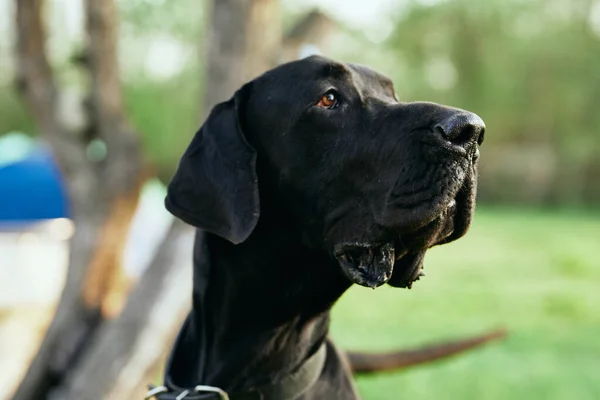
536, 273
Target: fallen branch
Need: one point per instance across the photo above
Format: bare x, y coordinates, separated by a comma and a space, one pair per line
364, 363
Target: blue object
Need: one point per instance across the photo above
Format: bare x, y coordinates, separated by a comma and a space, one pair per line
32, 188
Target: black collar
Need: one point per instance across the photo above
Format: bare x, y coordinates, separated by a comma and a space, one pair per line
289, 388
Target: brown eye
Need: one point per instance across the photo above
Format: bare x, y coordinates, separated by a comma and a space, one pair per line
329, 100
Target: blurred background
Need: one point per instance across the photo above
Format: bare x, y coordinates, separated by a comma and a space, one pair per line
99, 98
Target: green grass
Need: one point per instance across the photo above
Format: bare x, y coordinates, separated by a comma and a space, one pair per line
535, 273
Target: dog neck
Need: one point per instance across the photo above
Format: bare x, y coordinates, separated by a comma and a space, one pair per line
260, 309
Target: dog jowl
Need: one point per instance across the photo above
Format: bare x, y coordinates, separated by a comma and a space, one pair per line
327, 150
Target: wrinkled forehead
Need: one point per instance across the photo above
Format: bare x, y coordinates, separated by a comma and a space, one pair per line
370, 82
303, 79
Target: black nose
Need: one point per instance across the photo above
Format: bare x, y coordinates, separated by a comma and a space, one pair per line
462, 128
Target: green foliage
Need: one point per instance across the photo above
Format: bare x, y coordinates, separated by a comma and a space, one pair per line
14, 116
167, 114
530, 69
181, 19
534, 272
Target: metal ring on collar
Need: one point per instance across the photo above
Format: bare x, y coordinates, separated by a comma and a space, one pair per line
212, 389
182, 395
154, 391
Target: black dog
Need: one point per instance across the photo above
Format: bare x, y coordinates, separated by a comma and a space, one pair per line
314, 176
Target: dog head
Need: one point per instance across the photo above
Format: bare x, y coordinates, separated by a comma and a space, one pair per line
370, 180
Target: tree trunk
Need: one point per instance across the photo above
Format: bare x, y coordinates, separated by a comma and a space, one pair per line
243, 40
129, 346
124, 351
315, 28
103, 193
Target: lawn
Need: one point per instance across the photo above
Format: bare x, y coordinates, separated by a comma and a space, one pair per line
536, 273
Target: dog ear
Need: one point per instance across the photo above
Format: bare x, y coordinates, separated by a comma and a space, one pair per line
215, 187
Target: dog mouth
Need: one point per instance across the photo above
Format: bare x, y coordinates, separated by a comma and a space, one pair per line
373, 265
366, 264
399, 261
409, 269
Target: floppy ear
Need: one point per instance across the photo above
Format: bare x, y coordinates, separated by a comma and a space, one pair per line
215, 187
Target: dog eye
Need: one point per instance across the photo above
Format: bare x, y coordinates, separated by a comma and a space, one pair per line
329, 100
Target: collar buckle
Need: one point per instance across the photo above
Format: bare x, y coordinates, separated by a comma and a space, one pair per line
198, 389
212, 389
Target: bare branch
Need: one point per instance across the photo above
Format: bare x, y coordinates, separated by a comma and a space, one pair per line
36, 83
362, 363
314, 28
101, 25
123, 165
126, 348
236, 55
35, 79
